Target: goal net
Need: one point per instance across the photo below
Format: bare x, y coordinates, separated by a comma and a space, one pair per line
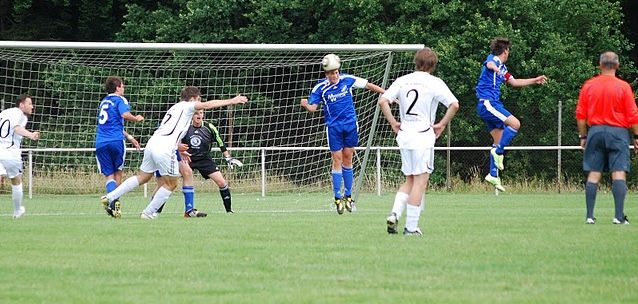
282, 146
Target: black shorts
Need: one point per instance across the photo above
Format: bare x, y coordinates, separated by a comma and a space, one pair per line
607, 149
205, 166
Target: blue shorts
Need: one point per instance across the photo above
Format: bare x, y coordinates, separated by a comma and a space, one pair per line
492, 113
179, 158
607, 149
110, 156
343, 136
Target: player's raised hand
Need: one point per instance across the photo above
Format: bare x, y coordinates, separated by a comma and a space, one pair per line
542, 79
304, 103
239, 99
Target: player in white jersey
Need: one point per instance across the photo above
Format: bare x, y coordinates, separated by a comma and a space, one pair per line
160, 152
419, 95
12, 129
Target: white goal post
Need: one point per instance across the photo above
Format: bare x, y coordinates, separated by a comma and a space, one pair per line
66, 80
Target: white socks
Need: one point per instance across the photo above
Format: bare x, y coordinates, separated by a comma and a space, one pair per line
400, 200
160, 197
128, 185
412, 217
16, 195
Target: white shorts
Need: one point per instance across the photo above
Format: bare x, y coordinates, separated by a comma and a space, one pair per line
160, 159
416, 162
10, 163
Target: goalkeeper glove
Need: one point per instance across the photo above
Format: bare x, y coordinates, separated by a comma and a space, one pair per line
232, 162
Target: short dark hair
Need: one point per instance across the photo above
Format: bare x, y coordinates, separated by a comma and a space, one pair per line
189, 92
112, 82
499, 45
21, 99
609, 60
426, 60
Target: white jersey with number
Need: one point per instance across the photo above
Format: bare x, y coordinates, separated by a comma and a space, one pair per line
419, 95
9, 120
174, 125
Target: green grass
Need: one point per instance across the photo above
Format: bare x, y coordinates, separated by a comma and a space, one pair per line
477, 248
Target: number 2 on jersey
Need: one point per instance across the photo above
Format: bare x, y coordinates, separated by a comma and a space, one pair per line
416, 97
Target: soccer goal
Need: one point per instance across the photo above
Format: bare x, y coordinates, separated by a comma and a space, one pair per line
282, 146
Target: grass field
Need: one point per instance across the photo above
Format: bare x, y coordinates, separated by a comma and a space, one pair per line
477, 248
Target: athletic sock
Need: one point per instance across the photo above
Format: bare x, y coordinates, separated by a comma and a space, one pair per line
128, 185
189, 197
412, 217
590, 198
619, 190
225, 194
16, 195
348, 179
508, 134
400, 200
110, 185
160, 197
337, 178
493, 168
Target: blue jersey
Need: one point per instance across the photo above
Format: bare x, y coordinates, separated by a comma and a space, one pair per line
336, 99
489, 82
110, 124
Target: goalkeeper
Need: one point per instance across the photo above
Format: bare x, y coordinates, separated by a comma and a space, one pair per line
200, 138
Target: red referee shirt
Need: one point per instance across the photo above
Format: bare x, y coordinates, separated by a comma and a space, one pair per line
607, 100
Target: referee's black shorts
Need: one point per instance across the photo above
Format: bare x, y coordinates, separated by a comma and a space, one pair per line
607, 149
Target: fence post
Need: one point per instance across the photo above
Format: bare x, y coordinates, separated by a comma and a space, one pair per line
378, 171
263, 172
30, 174
448, 178
559, 169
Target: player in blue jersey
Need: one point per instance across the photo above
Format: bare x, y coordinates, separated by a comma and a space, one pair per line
502, 125
334, 93
110, 149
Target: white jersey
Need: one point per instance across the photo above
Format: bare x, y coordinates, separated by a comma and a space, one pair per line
9, 120
174, 125
419, 95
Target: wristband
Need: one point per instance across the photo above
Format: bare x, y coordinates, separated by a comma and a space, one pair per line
581, 137
130, 137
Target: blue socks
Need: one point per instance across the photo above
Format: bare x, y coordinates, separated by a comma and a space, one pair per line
348, 179
337, 179
189, 197
619, 189
110, 185
508, 134
590, 198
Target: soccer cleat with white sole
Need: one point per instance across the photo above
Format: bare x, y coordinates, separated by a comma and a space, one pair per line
498, 159
392, 223
624, 221
590, 220
145, 216
19, 213
495, 181
416, 232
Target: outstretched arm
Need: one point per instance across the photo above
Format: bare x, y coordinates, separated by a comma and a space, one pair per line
26, 133
130, 117
373, 87
527, 81
239, 99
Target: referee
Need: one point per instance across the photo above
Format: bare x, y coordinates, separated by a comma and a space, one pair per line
606, 109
